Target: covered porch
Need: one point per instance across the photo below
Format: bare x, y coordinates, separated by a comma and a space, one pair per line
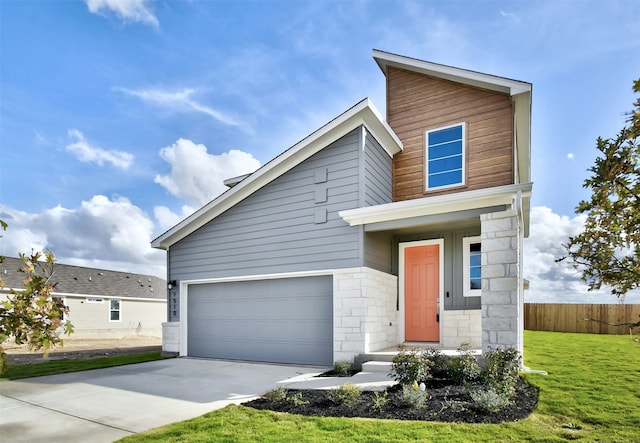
489, 316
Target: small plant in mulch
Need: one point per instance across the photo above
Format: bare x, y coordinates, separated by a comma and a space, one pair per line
341, 368
491, 393
346, 394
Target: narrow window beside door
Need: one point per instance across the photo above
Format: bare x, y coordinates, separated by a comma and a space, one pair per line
114, 310
472, 268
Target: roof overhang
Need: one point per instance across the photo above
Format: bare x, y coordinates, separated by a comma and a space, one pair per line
512, 195
458, 75
363, 113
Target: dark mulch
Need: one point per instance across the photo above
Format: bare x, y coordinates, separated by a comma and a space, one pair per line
447, 403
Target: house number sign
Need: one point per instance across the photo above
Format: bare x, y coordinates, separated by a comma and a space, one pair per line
174, 304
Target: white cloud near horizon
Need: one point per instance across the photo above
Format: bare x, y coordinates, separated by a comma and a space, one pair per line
87, 153
127, 10
115, 234
557, 282
197, 176
182, 101
101, 232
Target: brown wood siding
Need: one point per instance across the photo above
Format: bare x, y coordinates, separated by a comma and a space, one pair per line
417, 103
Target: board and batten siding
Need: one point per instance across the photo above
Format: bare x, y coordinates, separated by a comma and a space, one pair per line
417, 103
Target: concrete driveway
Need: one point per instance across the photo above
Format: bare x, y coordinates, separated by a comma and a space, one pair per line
107, 404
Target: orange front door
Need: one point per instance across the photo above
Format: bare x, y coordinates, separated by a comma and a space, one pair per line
421, 291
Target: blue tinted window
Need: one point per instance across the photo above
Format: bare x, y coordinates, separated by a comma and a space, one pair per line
445, 179
445, 135
475, 266
445, 157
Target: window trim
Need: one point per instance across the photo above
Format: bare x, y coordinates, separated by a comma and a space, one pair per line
119, 310
466, 271
463, 182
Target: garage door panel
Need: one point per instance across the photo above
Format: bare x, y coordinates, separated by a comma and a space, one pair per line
280, 320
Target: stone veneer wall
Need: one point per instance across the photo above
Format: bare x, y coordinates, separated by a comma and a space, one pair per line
171, 338
464, 326
501, 281
364, 312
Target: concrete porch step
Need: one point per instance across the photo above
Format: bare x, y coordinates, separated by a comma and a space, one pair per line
376, 366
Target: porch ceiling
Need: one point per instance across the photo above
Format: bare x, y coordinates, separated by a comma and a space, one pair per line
430, 223
441, 208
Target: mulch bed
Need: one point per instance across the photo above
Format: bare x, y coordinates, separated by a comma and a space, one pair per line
447, 403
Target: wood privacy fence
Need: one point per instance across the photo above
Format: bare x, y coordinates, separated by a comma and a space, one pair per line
571, 317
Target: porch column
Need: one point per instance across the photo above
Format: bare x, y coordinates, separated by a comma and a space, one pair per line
502, 288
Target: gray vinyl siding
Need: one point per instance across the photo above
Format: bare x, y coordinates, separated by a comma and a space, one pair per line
378, 173
453, 271
379, 251
275, 230
377, 177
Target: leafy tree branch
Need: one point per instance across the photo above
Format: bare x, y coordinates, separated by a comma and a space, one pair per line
607, 252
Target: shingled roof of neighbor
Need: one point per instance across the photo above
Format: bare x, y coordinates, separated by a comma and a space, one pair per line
78, 280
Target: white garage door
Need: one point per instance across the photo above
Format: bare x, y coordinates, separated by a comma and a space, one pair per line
281, 320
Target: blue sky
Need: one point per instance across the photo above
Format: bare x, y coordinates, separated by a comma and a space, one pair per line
119, 117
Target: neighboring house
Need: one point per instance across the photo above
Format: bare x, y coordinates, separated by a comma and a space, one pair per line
102, 303
367, 233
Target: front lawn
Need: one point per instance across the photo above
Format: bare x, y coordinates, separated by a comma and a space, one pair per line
61, 366
592, 393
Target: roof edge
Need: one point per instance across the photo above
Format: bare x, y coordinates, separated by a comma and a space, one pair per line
362, 113
459, 75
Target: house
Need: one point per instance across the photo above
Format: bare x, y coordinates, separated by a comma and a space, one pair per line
369, 232
102, 303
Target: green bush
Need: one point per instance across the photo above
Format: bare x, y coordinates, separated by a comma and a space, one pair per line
346, 394
463, 368
412, 397
439, 363
380, 400
489, 399
297, 399
276, 394
409, 366
342, 367
500, 370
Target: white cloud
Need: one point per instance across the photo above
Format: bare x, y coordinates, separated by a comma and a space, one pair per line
197, 176
127, 10
182, 101
571, 156
91, 154
166, 218
111, 234
553, 282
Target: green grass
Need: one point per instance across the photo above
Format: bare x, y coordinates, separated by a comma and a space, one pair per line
592, 394
61, 366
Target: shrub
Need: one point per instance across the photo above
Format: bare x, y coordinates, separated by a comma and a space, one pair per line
342, 367
346, 394
276, 394
439, 363
297, 400
500, 370
412, 397
380, 400
489, 399
463, 368
409, 366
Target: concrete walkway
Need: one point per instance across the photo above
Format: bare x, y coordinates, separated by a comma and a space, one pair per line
107, 404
